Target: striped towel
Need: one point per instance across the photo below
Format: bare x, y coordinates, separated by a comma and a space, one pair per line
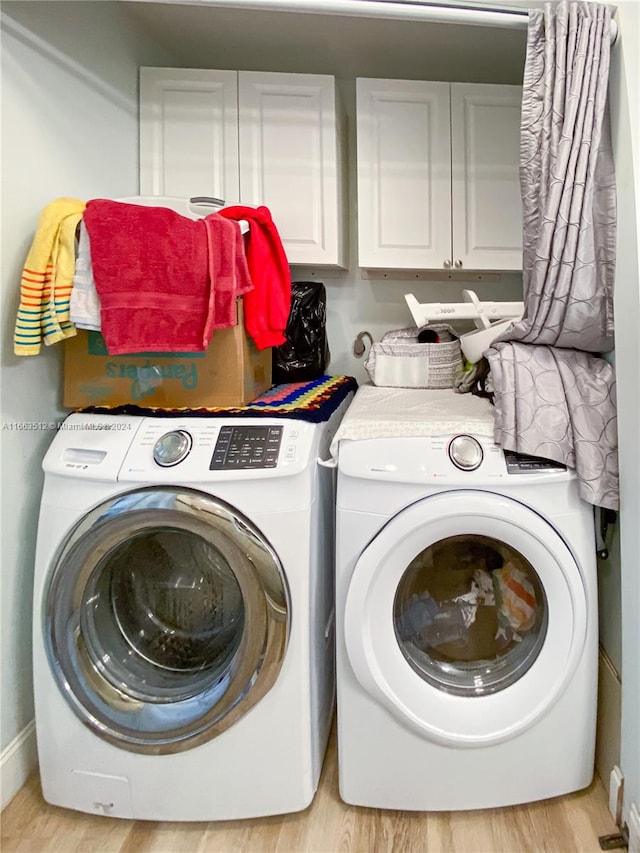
47, 279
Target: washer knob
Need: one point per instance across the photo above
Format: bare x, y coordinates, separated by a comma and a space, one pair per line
172, 448
465, 452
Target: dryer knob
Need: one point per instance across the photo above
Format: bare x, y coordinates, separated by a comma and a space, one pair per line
465, 452
172, 448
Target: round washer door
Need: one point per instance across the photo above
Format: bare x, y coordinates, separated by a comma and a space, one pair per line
166, 619
466, 617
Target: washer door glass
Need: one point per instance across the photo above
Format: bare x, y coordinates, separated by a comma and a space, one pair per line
470, 614
167, 618
466, 617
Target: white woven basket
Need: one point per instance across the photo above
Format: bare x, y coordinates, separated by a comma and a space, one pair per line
399, 360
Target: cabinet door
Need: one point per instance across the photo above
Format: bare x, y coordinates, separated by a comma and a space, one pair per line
404, 174
487, 208
189, 133
290, 160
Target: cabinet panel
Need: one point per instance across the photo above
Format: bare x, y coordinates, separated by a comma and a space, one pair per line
438, 175
487, 208
290, 160
404, 189
189, 133
255, 138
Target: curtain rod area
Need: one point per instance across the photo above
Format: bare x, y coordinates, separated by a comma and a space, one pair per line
399, 10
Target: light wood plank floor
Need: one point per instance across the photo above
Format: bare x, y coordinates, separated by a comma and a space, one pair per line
569, 824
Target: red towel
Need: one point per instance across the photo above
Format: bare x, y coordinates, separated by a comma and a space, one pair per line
267, 306
151, 270
227, 270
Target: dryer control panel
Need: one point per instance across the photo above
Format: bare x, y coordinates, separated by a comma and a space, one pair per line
454, 460
522, 463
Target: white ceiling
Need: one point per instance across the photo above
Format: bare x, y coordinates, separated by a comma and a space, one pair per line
203, 36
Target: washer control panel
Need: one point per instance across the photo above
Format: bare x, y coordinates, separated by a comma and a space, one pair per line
241, 447
196, 450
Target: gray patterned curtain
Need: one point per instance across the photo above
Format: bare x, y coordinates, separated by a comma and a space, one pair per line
554, 395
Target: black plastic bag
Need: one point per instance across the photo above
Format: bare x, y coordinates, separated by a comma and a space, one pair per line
305, 355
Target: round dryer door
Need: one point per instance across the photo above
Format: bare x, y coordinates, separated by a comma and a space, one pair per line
167, 618
466, 617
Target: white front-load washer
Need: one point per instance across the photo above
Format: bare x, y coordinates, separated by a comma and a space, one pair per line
466, 604
184, 615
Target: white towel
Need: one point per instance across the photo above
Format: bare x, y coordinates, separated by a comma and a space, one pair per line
85, 303
388, 412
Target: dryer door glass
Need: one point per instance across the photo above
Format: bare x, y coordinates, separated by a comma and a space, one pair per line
470, 614
167, 618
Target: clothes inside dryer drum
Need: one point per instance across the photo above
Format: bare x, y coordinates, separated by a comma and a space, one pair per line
470, 615
167, 618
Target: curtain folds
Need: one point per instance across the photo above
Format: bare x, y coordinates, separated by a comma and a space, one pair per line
559, 404
569, 237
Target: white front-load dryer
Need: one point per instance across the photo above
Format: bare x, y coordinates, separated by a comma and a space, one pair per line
466, 605
184, 615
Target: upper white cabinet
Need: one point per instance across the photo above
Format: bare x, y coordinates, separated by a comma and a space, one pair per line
251, 138
189, 133
404, 173
485, 176
438, 175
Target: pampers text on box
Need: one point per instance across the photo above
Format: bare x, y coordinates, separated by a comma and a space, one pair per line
147, 377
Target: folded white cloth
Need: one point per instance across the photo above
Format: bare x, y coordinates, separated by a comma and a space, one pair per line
85, 303
387, 412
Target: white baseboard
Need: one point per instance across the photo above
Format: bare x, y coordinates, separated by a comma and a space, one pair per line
17, 761
609, 718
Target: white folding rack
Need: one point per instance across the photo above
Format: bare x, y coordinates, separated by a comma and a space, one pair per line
490, 318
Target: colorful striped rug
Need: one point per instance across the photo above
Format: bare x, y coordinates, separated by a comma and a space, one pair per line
313, 401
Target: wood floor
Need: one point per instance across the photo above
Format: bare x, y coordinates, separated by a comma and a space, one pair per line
569, 824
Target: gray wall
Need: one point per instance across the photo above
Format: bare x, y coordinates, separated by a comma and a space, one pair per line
69, 128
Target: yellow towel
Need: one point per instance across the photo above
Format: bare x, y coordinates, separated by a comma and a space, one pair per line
47, 278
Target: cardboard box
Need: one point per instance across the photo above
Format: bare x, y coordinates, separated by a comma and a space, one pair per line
231, 372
